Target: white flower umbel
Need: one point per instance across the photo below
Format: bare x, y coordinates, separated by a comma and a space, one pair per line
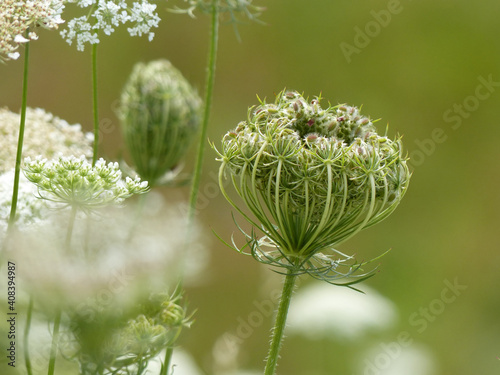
104, 16
72, 181
17, 16
45, 135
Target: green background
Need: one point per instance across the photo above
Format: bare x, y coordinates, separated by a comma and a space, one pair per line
428, 57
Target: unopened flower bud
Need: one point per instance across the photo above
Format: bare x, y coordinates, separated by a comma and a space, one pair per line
160, 113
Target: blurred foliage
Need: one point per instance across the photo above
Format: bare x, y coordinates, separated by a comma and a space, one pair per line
428, 57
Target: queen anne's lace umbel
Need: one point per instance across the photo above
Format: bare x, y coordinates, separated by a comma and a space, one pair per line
45, 134
312, 177
74, 182
104, 16
19, 16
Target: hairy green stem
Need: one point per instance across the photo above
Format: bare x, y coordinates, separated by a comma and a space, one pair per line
279, 325
94, 103
17, 173
214, 37
27, 359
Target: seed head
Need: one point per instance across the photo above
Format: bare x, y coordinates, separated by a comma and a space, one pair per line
312, 178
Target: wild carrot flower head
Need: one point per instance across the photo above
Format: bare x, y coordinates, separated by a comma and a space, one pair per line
17, 16
160, 113
45, 135
74, 182
312, 177
104, 16
29, 209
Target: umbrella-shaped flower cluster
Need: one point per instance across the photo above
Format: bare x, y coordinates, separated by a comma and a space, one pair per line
312, 177
74, 182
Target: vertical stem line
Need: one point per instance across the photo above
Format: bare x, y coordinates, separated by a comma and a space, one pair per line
166, 362
15, 191
94, 103
279, 325
214, 37
53, 347
27, 359
57, 320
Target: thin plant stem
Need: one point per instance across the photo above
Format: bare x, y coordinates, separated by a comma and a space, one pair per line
94, 103
212, 56
27, 359
15, 190
209, 88
279, 325
17, 173
53, 347
69, 233
166, 362
57, 320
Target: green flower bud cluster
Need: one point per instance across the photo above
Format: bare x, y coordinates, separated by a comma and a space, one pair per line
312, 177
130, 346
160, 113
74, 182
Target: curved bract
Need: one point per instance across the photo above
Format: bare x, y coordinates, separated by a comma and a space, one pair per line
312, 177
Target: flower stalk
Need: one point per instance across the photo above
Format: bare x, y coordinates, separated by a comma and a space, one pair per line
95, 105
209, 87
19, 154
279, 325
57, 319
53, 346
27, 357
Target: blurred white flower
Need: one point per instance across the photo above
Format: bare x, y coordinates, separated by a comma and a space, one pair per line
321, 311
122, 260
226, 358
105, 16
181, 362
45, 135
29, 209
408, 360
